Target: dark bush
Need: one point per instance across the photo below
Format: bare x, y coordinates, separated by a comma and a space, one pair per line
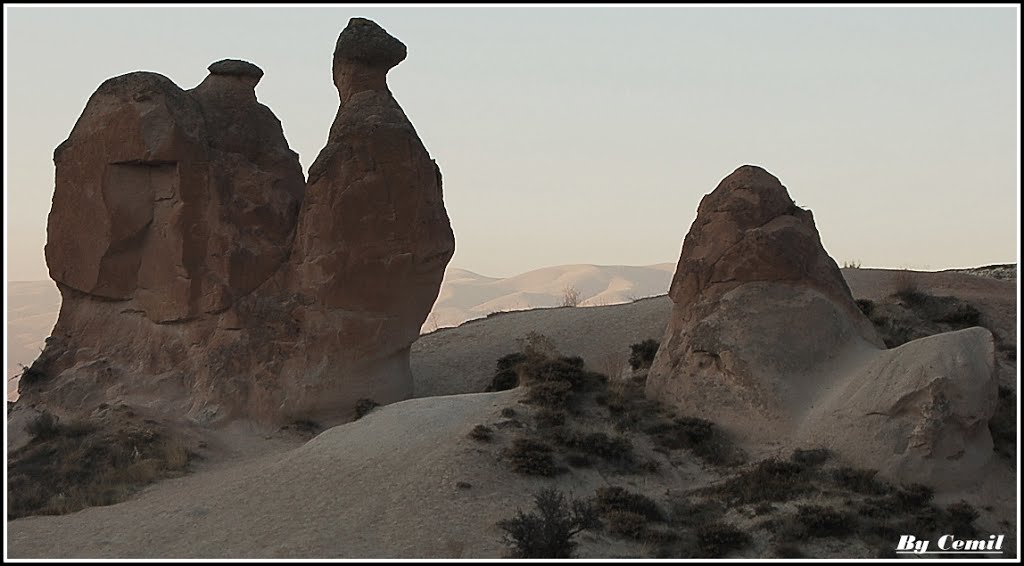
613, 498
866, 306
481, 433
616, 449
812, 457
508, 412
77, 465
641, 354
625, 524
859, 481
532, 457
699, 436
364, 406
510, 361
818, 521
579, 460
548, 532
551, 394
769, 480
961, 519
548, 418
787, 550
718, 539
506, 374
914, 495
503, 380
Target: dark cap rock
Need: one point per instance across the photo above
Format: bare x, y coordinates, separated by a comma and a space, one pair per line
364, 41
236, 67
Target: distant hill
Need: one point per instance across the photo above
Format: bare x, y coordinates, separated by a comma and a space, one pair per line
466, 295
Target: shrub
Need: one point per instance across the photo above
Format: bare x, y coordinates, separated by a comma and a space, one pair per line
508, 412
551, 394
642, 354
612, 498
547, 418
718, 539
506, 374
819, 521
812, 457
914, 495
570, 296
625, 524
364, 406
787, 550
769, 480
532, 457
481, 433
547, 532
859, 481
696, 435
70, 467
616, 449
961, 519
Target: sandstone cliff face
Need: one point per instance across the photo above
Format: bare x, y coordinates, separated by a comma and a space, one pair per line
374, 237
766, 340
202, 277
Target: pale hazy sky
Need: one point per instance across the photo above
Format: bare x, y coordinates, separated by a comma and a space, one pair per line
590, 134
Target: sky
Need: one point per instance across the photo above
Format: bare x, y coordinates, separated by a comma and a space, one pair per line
589, 134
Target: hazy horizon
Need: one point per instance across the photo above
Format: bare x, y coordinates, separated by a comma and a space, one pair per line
588, 135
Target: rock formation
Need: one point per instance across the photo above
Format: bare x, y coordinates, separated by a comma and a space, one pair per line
766, 340
202, 276
373, 239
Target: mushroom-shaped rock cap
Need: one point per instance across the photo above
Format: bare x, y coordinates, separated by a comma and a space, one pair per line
363, 41
236, 67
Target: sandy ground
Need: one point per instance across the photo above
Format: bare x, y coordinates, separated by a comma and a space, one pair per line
388, 485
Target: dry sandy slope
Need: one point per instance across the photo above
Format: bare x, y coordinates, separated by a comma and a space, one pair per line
381, 487
385, 486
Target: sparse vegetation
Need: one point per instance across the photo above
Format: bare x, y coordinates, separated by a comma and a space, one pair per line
532, 457
768, 480
506, 374
364, 406
548, 532
570, 296
811, 457
69, 466
616, 499
859, 481
852, 264
642, 354
716, 540
699, 436
817, 521
481, 433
